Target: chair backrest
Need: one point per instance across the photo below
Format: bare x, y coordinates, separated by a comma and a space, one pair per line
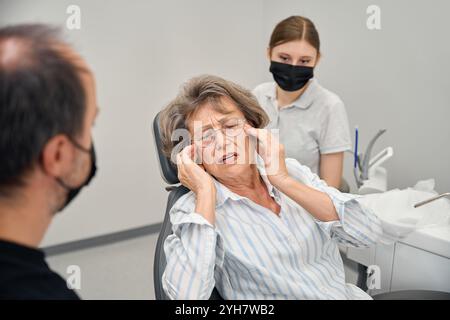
160, 258
167, 169
170, 175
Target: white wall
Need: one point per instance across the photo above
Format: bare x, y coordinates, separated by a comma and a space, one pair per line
141, 52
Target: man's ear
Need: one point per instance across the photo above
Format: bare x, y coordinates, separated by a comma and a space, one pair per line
57, 155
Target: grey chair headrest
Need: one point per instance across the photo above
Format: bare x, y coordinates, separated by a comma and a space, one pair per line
168, 169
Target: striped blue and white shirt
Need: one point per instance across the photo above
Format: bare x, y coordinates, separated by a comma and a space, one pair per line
252, 253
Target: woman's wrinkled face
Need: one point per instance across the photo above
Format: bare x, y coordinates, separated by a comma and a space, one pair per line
220, 140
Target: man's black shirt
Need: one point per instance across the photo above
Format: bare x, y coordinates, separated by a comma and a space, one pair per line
24, 274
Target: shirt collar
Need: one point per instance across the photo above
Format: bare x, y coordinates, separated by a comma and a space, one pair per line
223, 193
304, 101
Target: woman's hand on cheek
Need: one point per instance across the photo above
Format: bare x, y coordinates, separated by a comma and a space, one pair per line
192, 175
272, 153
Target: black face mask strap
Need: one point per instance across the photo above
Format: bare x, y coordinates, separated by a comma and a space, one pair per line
79, 147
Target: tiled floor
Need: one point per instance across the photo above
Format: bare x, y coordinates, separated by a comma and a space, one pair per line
122, 270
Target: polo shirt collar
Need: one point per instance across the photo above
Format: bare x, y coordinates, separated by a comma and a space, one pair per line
304, 101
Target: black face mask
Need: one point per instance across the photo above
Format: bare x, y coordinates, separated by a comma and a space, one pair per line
73, 192
290, 77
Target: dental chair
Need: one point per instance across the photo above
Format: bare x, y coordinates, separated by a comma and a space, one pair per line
176, 190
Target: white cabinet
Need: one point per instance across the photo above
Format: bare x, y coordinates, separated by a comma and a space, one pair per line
421, 261
415, 268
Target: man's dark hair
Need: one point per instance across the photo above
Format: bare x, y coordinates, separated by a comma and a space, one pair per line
41, 95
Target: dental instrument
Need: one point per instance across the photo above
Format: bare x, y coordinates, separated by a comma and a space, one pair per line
419, 204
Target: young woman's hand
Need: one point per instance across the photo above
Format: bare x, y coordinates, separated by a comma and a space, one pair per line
272, 152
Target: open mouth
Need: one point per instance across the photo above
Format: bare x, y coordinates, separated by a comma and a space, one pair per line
229, 158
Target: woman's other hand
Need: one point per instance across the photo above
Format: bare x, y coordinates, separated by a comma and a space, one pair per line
272, 152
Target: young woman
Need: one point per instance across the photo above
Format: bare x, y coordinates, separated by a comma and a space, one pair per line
312, 120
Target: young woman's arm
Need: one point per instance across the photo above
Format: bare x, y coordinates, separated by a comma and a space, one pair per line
331, 166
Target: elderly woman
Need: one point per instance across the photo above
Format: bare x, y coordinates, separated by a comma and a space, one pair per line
255, 225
